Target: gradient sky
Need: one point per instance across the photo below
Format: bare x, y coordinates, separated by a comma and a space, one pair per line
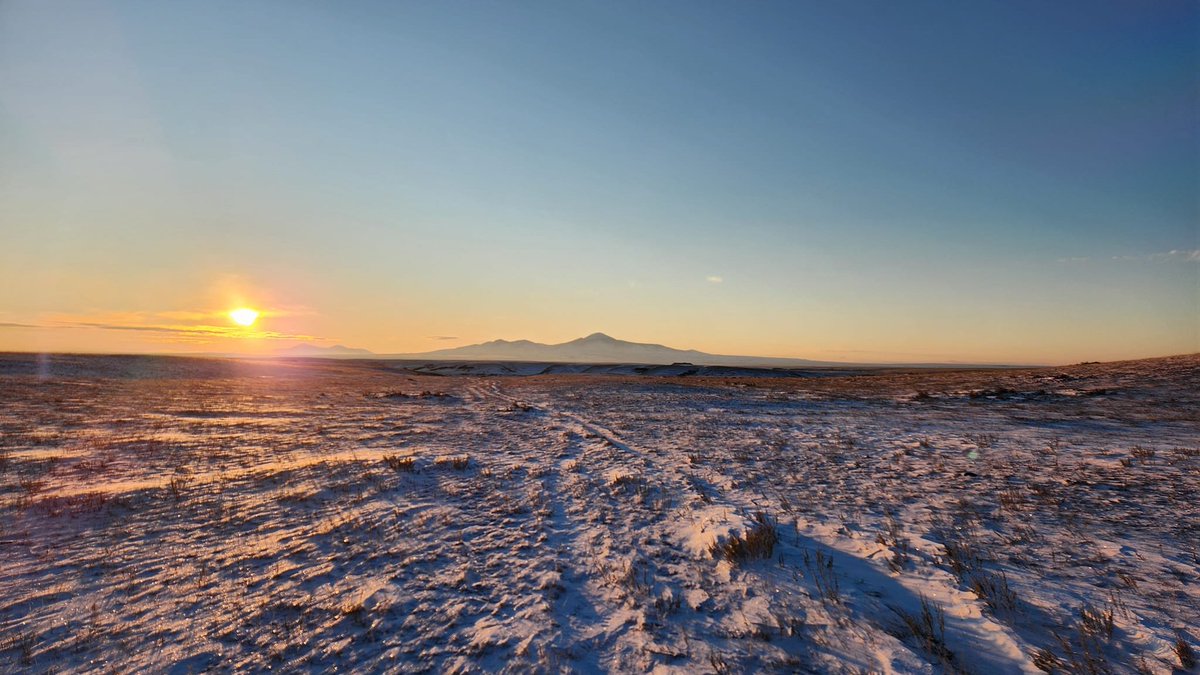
866, 181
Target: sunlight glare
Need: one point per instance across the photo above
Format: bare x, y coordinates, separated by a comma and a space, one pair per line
244, 316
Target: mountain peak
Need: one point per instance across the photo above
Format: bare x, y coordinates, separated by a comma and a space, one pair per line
600, 348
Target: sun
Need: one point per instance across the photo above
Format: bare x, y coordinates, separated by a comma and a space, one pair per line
244, 316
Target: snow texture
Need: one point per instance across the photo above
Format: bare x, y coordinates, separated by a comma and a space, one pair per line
187, 515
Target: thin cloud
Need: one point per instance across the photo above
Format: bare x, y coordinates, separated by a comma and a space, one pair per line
443, 337
188, 316
1174, 255
1183, 255
192, 315
205, 330
144, 322
713, 279
6, 324
192, 331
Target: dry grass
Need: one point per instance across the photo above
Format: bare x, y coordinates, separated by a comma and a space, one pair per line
456, 462
74, 505
31, 485
1012, 499
1142, 453
397, 463
1185, 653
757, 543
820, 569
1096, 622
994, 591
623, 479
891, 537
1047, 661
176, 487
928, 628
966, 563
1084, 651
961, 558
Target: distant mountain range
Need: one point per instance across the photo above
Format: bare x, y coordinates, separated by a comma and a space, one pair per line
338, 351
601, 348
596, 348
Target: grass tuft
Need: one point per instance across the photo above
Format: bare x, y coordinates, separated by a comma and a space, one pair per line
1094, 622
757, 543
176, 486
1185, 653
397, 463
456, 462
928, 627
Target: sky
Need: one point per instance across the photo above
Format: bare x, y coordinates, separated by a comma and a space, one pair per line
1000, 182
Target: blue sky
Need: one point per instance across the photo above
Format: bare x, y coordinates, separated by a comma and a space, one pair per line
976, 181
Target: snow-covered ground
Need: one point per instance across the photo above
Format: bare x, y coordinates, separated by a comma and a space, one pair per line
167, 515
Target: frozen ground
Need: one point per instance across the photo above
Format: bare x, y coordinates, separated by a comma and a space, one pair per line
164, 515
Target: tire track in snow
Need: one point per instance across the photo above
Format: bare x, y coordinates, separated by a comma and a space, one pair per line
980, 639
607, 556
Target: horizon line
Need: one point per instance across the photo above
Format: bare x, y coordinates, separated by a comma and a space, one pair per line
399, 356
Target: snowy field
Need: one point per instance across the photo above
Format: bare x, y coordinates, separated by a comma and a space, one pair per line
170, 515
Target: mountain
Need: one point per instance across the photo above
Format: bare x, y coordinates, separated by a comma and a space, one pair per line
600, 348
336, 351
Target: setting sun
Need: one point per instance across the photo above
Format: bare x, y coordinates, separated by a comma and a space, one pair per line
244, 316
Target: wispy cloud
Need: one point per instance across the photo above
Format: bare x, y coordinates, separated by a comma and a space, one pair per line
1174, 255
189, 315
1184, 255
713, 279
197, 331
1192, 255
443, 337
211, 315
178, 326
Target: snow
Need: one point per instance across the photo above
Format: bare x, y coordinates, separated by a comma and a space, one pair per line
182, 515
